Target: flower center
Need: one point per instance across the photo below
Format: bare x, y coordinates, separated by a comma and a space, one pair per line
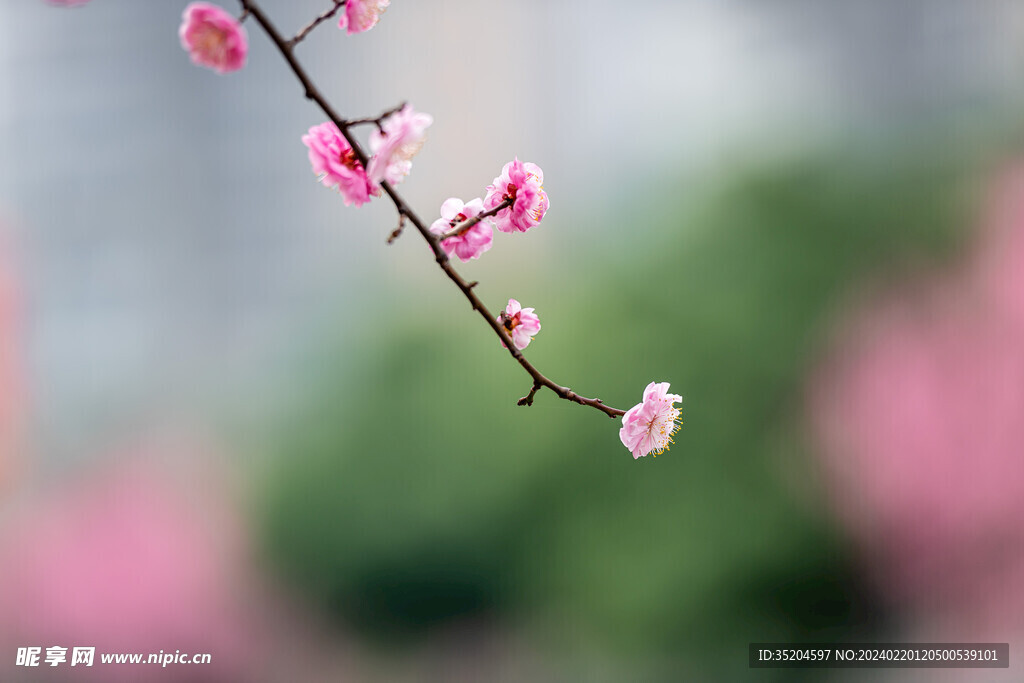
409, 149
512, 321
661, 428
510, 192
348, 159
211, 41
459, 219
537, 212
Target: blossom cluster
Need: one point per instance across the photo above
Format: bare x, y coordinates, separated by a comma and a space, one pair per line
398, 138
514, 202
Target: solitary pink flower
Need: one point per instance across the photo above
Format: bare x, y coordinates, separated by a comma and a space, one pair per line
335, 162
362, 15
520, 323
468, 244
400, 138
213, 37
649, 426
522, 183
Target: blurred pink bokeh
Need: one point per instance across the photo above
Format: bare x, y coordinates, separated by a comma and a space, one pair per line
12, 386
134, 557
141, 550
919, 415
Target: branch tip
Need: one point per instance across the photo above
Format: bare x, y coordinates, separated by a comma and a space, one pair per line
397, 231
528, 399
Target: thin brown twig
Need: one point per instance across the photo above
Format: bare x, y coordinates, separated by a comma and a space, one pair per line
377, 121
301, 35
312, 93
470, 222
397, 232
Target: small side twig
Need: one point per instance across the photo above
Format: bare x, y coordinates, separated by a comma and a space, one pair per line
301, 35
470, 222
397, 231
377, 120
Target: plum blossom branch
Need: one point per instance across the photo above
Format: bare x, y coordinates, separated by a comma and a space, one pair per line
469, 223
306, 30
285, 47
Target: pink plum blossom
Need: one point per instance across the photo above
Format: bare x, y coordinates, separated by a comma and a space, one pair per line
213, 38
522, 183
468, 244
648, 426
520, 323
362, 15
400, 137
335, 162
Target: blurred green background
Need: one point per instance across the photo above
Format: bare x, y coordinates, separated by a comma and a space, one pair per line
409, 491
